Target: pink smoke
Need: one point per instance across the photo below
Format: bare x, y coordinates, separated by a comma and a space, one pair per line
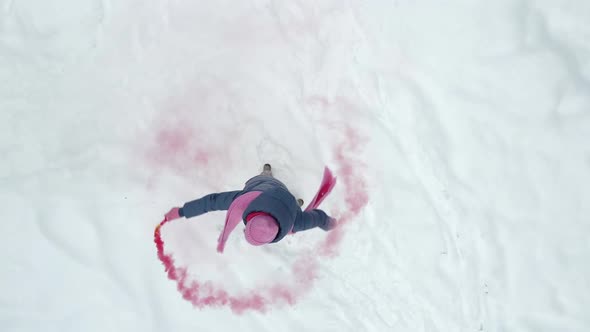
304, 270
202, 294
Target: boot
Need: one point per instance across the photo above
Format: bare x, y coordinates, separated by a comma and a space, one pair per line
267, 170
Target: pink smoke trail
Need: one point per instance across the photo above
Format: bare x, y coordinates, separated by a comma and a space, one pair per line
206, 294
356, 194
304, 270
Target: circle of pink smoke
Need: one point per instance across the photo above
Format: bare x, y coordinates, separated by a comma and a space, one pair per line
304, 270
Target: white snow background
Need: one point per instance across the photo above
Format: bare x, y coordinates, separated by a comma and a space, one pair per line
475, 119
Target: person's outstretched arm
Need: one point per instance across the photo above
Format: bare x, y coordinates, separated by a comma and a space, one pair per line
312, 219
211, 202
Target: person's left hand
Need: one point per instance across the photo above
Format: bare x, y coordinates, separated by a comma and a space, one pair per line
172, 214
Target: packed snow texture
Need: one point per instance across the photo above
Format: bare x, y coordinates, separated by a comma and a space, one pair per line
470, 129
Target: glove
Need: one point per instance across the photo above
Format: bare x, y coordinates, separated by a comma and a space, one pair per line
331, 223
172, 214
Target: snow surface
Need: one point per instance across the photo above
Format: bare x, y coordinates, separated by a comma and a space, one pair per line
465, 123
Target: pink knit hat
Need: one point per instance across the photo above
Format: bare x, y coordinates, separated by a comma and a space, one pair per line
261, 228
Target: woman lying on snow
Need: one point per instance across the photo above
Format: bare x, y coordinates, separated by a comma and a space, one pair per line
266, 206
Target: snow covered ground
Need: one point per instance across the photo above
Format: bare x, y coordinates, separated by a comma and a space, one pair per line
459, 131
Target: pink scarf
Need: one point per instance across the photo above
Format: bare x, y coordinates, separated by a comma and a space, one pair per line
234, 216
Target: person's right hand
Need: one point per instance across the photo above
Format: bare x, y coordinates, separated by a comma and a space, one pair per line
331, 223
172, 214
